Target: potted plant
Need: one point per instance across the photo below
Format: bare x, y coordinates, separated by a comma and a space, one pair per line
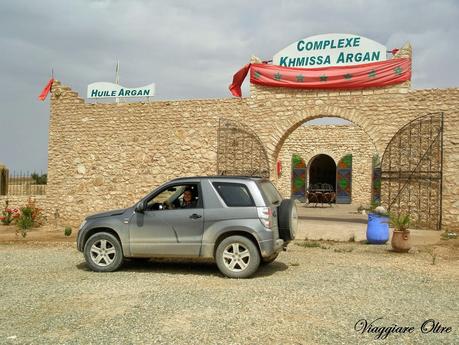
401, 240
378, 225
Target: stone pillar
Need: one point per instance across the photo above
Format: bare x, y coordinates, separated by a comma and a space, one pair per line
405, 52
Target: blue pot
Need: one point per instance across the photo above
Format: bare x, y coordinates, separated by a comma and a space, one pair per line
377, 229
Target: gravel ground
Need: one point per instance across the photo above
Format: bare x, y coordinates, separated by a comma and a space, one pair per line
308, 296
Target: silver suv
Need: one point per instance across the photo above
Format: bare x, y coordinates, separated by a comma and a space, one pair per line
238, 221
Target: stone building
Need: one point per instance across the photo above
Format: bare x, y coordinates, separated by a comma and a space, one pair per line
104, 156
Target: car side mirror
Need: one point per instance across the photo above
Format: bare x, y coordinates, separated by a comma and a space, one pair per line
140, 207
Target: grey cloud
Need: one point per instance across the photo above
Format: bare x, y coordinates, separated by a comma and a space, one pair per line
189, 49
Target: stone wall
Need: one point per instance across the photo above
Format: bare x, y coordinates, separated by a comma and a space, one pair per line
380, 113
18, 201
104, 156
335, 141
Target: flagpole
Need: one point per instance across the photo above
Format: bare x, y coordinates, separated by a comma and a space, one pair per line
117, 77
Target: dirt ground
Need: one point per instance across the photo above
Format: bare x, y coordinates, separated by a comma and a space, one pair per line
315, 293
312, 294
46, 233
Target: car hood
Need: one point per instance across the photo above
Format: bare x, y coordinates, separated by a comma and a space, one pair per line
107, 213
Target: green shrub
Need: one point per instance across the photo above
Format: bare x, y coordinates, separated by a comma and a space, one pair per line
25, 220
68, 231
8, 215
29, 216
400, 222
40, 179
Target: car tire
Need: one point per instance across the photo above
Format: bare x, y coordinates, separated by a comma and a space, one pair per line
103, 252
237, 257
267, 261
288, 220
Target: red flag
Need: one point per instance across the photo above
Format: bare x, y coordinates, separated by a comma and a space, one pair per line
46, 90
374, 74
238, 79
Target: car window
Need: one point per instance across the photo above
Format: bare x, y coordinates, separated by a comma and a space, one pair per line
270, 192
175, 197
168, 194
234, 194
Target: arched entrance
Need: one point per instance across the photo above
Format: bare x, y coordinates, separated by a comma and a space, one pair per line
322, 170
348, 149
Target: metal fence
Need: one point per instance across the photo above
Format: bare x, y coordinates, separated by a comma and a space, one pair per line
240, 151
412, 170
23, 183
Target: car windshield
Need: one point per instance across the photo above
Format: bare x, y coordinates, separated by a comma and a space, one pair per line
270, 192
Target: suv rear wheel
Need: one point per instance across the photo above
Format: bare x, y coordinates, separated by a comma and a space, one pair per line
103, 252
237, 257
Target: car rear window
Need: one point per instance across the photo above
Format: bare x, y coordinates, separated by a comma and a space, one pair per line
234, 194
270, 192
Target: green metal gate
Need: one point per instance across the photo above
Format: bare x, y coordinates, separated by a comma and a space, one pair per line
298, 178
344, 180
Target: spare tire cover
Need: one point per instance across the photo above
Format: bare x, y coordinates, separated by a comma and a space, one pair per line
288, 220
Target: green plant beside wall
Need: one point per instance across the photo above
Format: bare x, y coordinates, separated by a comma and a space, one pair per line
25, 221
40, 179
400, 222
401, 239
29, 216
8, 215
68, 231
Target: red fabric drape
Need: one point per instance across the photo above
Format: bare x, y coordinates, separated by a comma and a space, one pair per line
46, 90
375, 74
238, 79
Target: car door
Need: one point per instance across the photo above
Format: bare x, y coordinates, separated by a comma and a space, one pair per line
167, 232
150, 234
188, 226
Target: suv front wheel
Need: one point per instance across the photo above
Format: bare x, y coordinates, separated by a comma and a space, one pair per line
237, 257
103, 252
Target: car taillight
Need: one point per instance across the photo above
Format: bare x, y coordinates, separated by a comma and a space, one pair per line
265, 214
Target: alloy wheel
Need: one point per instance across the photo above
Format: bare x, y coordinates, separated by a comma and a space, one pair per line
236, 257
102, 252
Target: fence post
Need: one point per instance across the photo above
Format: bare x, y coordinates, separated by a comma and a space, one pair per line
3, 180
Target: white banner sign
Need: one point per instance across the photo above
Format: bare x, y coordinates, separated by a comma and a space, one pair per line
330, 50
110, 90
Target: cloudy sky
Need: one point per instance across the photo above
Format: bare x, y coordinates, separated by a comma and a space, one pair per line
190, 49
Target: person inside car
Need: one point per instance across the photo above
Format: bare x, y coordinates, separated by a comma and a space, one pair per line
188, 201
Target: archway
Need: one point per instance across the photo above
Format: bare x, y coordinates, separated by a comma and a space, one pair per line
285, 128
322, 170
346, 147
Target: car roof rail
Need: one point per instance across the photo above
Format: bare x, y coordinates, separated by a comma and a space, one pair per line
219, 177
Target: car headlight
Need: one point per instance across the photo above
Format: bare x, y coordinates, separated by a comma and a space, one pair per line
82, 224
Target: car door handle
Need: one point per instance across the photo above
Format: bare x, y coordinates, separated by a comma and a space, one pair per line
195, 216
